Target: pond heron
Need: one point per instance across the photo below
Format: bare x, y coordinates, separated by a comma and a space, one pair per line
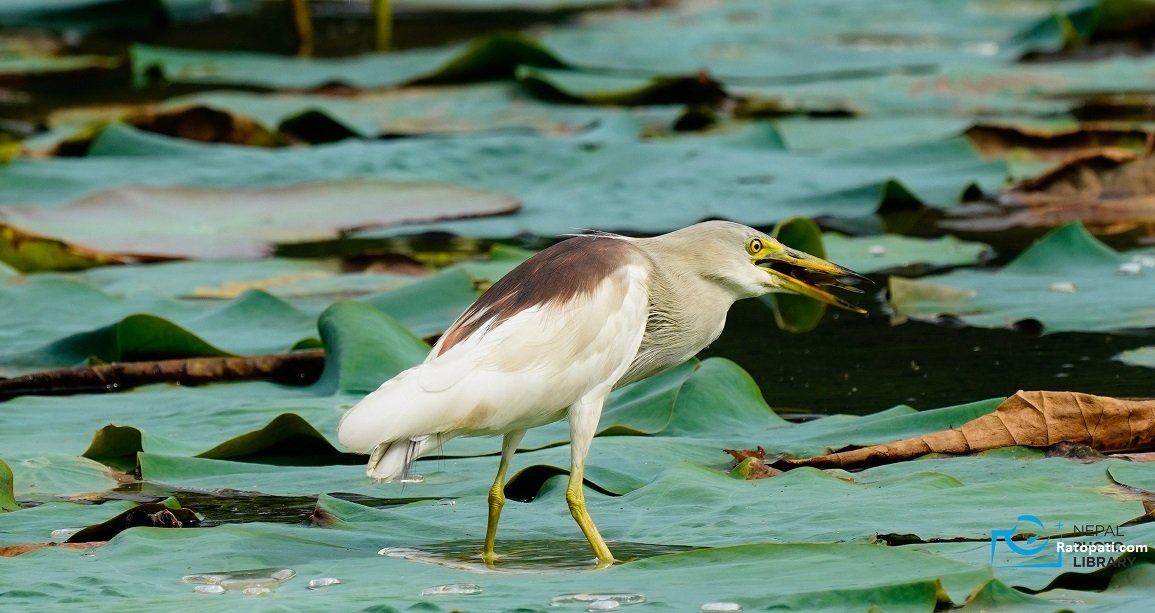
556, 335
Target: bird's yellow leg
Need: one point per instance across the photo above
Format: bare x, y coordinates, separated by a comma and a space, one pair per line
577, 507
583, 422
497, 493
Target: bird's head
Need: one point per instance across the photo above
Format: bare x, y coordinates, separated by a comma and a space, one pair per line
753, 263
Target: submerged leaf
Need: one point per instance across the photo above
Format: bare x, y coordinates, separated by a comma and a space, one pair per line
490, 57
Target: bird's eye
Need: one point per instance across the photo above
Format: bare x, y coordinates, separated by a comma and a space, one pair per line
754, 245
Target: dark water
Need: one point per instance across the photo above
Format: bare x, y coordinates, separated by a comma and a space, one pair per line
859, 364
217, 507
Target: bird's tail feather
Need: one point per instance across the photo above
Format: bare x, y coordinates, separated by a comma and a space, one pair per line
391, 460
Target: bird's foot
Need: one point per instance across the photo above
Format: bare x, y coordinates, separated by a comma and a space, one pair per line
604, 563
490, 558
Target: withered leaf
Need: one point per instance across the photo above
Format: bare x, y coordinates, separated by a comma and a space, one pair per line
994, 139
1032, 419
742, 454
11, 551
1109, 190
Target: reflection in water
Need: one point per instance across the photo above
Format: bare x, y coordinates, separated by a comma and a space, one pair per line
525, 556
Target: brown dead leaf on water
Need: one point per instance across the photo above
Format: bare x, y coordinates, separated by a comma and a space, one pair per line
1112, 191
1032, 419
11, 551
742, 454
207, 125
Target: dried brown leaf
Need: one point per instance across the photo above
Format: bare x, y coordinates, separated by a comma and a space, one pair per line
11, 551
1032, 419
1048, 144
742, 454
205, 124
1111, 191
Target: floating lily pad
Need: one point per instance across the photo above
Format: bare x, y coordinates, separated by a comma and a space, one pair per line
255, 323
877, 253
818, 134
53, 476
564, 185
487, 58
1067, 281
619, 90
216, 279
414, 110
179, 221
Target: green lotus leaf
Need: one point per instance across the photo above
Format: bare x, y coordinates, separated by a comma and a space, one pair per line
563, 184
1067, 281
53, 476
364, 348
487, 58
415, 110
866, 254
287, 439
254, 323
176, 222
617, 90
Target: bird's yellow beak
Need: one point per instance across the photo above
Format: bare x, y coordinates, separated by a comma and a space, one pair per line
801, 273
